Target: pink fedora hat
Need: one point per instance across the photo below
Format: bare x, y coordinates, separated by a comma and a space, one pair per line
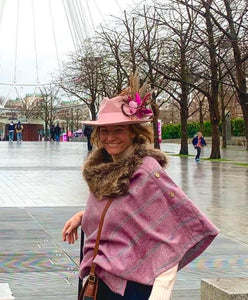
122, 110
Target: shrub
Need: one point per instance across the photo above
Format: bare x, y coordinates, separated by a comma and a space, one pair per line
192, 128
207, 128
238, 127
173, 131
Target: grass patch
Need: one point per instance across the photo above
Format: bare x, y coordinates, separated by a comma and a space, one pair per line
217, 159
241, 165
210, 159
201, 158
182, 155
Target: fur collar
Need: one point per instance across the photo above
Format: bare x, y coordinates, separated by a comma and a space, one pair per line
106, 178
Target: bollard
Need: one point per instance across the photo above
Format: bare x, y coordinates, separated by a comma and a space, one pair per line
234, 288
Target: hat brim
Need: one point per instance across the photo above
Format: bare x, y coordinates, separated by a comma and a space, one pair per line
113, 122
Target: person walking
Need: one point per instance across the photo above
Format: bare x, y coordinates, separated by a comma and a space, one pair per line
151, 229
19, 129
198, 142
87, 132
52, 133
57, 131
11, 129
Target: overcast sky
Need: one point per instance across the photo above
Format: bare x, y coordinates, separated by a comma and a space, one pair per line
26, 57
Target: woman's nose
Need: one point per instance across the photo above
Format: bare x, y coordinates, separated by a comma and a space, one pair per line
111, 136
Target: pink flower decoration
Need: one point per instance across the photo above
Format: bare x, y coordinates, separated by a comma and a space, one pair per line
136, 106
133, 104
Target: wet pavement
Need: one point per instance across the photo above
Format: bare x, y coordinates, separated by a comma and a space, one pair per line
41, 187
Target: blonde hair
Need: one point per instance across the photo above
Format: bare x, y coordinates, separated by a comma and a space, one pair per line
142, 134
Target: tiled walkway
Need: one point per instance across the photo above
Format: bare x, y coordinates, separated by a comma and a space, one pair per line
41, 187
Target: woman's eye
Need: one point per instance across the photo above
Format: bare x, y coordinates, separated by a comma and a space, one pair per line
119, 130
103, 131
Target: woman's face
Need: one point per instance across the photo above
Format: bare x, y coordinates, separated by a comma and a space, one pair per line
116, 139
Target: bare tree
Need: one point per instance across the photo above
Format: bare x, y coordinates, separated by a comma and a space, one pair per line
220, 16
47, 106
235, 15
198, 105
71, 115
82, 77
29, 106
150, 51
207, 68
111, 40
213, 95
132, 44
177, 23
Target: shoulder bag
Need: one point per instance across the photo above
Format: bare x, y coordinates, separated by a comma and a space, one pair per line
89, 290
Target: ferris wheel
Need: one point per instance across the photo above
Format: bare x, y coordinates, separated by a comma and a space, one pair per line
38, 35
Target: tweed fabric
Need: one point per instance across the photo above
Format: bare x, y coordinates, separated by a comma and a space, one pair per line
150, 227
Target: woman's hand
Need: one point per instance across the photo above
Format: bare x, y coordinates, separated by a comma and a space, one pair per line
69, 232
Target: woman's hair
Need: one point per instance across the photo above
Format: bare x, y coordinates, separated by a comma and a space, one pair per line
142, 134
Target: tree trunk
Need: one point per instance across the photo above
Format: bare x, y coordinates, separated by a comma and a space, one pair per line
223, 118
155, 111
184, 133
184, 112
213, 97
201, 118
184, 137
224, 143
240, 67
155, 130
244, 107
215, 151
46, 138
93, 110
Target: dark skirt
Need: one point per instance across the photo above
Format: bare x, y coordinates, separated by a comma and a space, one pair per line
134, 291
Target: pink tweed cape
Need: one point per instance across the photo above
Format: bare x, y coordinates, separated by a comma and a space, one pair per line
146, 231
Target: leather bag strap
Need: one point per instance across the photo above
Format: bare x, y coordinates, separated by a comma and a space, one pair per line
92, 269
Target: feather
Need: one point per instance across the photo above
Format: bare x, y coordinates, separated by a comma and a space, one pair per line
146, 87
137, 98
135, 82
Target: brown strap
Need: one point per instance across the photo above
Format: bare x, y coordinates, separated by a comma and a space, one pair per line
92, 269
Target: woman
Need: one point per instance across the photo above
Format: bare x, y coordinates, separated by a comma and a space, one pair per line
151, 229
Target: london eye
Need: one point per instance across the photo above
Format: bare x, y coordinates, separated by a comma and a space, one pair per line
37, 36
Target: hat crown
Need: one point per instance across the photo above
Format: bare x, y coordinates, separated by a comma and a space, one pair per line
128, 107
118, 111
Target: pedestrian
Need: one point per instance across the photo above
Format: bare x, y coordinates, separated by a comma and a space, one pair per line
151, 229
198, 142
52, 133
87, 132
19, 129
57, 131
11, 129
40, 134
